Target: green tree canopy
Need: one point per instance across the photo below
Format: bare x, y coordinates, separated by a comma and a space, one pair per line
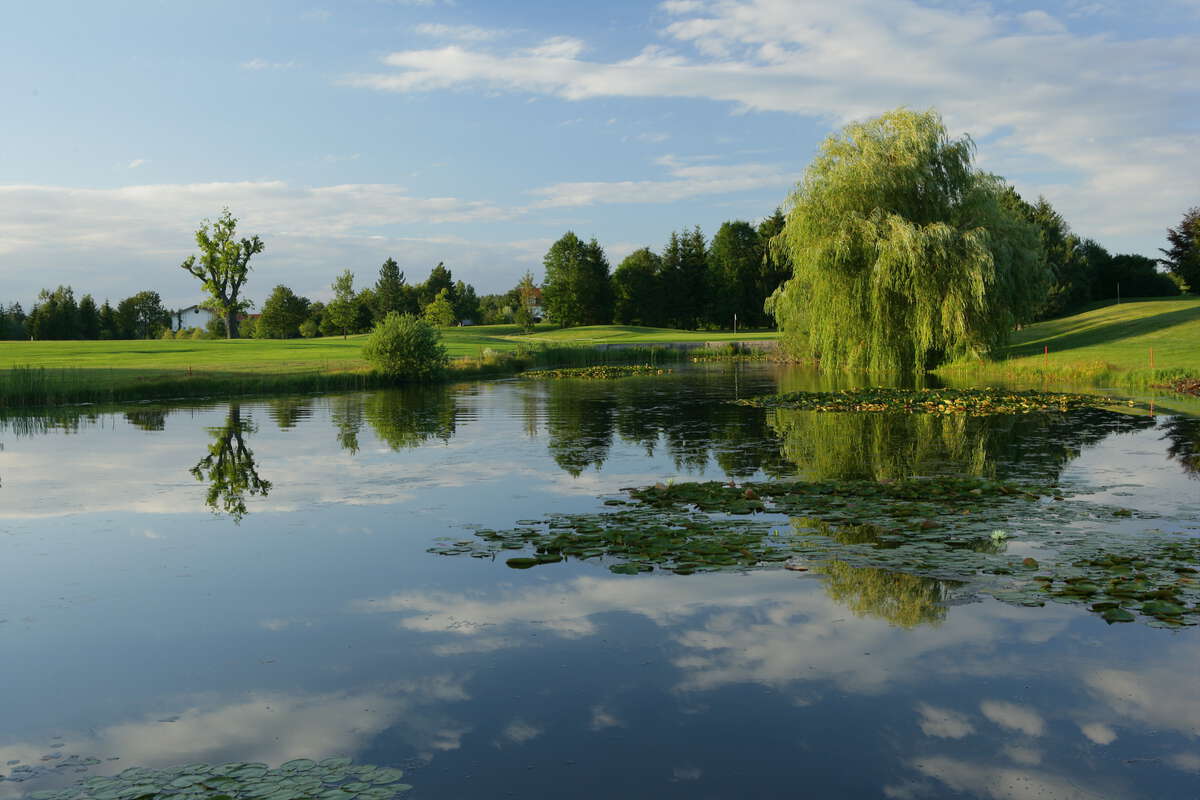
903, 255
55, 315
638, 294
391, 292
439, 278
734, 269
1183, 256
282, 314
142, 316
341, 315
222, 268
440, 313
684, 268
577, 288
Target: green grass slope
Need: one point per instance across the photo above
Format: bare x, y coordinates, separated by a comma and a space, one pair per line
1135, 342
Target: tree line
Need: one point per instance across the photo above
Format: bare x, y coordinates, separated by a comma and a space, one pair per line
58, 315
692, 283
440, 300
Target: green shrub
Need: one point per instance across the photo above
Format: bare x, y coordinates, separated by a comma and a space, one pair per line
309, 328
403, 346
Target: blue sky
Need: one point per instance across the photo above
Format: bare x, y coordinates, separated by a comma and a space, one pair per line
476, 133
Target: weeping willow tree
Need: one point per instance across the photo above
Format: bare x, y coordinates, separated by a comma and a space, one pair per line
903, 256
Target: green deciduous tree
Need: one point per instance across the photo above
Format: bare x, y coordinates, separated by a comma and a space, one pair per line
733, 280
223, 266
341, 314
55, 315
466, 302
903, 255
577, 289
638, 294
142, 316
439, 278
282, 314
1183, 256
440, 313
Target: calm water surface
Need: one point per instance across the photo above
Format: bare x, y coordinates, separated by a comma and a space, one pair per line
251, 582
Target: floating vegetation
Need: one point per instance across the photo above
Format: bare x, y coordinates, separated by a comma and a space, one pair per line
299, 779
944, 529
599, 372
974, 402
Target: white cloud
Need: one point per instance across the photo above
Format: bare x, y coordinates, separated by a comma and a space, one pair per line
603, 718
137, 162
270, 727
558, 48
944, 723
1152, 695
1099, 733
1008, 783
462, 33
654, 137
261, 63
1038, 21
687, 180
1106, 111
1014, 717
519, 732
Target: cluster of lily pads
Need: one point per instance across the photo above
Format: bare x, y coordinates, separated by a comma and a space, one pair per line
299, 779
974, 402
599, 372
946, 528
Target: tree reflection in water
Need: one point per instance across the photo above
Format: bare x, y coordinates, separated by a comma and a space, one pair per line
886, 446
229, 468
409, 417
1183, 433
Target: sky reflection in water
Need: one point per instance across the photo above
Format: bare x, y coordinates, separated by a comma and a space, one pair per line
295, 611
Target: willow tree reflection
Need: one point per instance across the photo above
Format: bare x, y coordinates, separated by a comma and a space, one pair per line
409, 417
886, 446
229, 468
901, 599
1183, 435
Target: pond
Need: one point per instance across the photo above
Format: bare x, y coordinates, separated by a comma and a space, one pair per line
293, 578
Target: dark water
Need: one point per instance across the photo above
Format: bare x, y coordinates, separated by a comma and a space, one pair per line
251, 582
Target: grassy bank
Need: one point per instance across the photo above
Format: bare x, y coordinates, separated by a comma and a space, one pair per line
49, 373
1135, 344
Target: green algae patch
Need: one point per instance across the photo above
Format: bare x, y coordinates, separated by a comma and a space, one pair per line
972, 402
599, 372
953, 530
300, 779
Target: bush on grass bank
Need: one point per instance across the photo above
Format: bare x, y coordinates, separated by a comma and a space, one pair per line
404, 346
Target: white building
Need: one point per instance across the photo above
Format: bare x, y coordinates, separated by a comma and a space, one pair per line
191, 317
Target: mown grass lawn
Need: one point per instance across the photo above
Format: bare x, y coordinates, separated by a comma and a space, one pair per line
1122, 335
170, 367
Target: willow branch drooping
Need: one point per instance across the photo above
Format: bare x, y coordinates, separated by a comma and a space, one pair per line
903, 256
